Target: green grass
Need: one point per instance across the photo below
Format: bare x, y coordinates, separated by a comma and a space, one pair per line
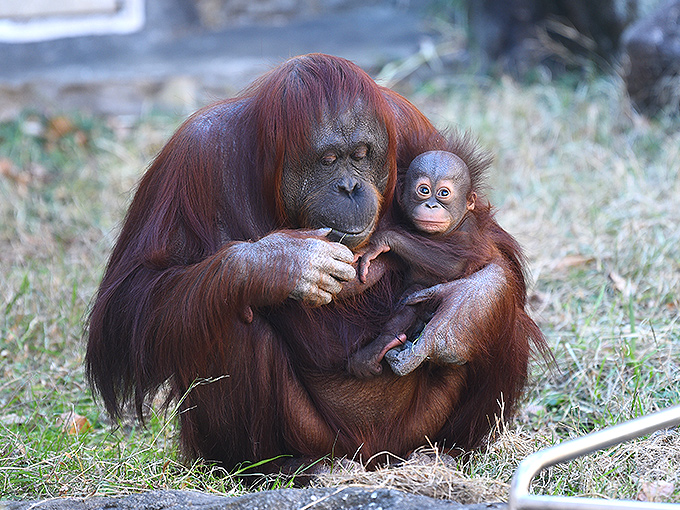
589, 188
591, 191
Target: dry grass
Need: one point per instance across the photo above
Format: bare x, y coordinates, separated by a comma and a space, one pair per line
590, 189
426, 472
631, 470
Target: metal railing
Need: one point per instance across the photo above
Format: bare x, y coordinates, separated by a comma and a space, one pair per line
520, 499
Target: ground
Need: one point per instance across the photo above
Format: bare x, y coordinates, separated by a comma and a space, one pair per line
587, 186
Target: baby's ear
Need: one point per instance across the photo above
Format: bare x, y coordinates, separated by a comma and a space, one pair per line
472, 199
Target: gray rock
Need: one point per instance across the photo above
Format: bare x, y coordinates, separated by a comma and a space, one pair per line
338, 498
560, 34
651, 55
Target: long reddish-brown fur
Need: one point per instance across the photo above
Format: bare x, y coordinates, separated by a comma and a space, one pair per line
168, 309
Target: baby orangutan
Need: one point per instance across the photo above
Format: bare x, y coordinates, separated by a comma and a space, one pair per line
436, 200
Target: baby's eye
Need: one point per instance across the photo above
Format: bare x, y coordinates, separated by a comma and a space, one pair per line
444, 193
424, 190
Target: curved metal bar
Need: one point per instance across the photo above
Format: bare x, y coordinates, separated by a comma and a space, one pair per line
519, 489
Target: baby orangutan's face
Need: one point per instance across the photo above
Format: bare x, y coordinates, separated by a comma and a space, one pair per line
437, 192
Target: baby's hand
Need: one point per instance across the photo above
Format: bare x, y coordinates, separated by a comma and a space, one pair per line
373, 250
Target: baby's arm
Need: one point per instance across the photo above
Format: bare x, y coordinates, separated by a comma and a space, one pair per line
366, 362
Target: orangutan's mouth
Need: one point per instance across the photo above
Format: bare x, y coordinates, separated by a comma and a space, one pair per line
350, 239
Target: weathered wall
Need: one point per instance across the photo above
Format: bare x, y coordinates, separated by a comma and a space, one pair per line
227, 13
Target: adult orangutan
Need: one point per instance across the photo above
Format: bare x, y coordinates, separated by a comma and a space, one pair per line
227, 271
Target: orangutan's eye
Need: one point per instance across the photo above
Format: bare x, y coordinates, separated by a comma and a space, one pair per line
360, 153
328, 159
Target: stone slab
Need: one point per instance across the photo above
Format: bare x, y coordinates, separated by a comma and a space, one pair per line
340, 498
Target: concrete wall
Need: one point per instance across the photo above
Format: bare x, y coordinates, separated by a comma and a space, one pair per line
43, 20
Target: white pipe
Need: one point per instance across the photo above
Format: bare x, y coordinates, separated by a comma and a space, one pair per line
520, 498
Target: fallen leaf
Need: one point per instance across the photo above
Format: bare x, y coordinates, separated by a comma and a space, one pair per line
658, 490
58, 127
573, 261
12, 419
620, 283
74, 423
6, 167
20, 178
